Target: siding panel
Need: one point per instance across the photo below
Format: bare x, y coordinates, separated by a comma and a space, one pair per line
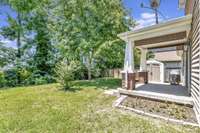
195, 58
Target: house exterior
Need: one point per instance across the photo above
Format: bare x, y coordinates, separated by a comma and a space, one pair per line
181, 33
193, 7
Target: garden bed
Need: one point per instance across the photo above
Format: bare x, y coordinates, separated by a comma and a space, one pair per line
166, 109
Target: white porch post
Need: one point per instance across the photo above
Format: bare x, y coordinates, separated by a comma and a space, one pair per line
129, 59
143, 65
184, 69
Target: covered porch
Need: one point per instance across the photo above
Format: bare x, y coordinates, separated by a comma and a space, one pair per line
162, 92
173, 33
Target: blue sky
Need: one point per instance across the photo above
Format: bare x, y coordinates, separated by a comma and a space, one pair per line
4, 10
144, 17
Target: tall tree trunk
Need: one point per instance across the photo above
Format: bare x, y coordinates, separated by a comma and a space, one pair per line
89, 66
89, 73
18, 47
89, 69
19, 36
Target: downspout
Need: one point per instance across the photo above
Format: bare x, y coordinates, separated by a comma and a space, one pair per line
189, 67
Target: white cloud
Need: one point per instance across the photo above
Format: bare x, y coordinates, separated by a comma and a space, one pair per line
147, 15
146, 19
7, 42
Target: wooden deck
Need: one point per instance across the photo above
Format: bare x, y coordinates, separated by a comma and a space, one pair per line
163, 92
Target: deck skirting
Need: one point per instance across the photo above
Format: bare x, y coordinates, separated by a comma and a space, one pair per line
184, 100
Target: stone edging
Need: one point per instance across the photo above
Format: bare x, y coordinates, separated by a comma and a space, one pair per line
119, 101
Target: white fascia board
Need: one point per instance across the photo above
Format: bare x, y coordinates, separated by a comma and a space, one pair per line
162, 44
168, 27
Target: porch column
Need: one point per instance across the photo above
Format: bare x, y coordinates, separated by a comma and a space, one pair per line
143, 65
129, 59
128, 71
184, 68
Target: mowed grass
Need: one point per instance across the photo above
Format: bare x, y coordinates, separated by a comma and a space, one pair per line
84, 109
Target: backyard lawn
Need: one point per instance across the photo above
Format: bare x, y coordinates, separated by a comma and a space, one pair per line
83, 109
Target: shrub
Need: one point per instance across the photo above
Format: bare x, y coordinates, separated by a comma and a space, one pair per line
81, 72
2, 79
66, 73
24, 74
96, 72
40, 81
11, 77
39, 78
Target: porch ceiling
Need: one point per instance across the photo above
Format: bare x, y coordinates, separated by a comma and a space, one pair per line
170, 33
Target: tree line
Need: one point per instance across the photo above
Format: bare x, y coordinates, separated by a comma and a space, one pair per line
56, 37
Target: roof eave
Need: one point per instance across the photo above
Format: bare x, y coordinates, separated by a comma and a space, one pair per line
186, 20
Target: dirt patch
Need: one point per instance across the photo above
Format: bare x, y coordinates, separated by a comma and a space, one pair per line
169, 110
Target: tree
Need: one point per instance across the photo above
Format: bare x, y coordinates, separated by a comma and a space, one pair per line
14, 31
31, 33
43, 59
83, 27
110, 55
7, 55
65, 72
16, 28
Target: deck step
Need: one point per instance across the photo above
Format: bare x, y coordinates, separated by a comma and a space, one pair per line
158, 96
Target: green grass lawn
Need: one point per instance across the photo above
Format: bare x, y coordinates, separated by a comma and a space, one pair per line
85, 109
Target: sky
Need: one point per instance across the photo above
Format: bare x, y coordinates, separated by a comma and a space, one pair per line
143, 16
146, 17
4, 11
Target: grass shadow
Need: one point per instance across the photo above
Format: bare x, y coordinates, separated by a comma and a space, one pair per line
100, 83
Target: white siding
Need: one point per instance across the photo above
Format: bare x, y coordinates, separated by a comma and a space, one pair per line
195, 58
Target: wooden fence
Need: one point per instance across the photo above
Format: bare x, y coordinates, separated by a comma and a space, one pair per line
116, 73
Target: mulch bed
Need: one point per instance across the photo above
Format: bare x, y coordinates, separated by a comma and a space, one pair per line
169, 110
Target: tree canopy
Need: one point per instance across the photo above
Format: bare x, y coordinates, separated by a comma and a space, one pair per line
87, 30
50, 31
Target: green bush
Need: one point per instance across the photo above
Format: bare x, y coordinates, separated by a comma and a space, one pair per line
24, 74
96, 73
65, 73
40, 81
80, 73
11, 77
2, 79
39, 78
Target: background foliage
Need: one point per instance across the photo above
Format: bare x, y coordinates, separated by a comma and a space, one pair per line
48, 32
